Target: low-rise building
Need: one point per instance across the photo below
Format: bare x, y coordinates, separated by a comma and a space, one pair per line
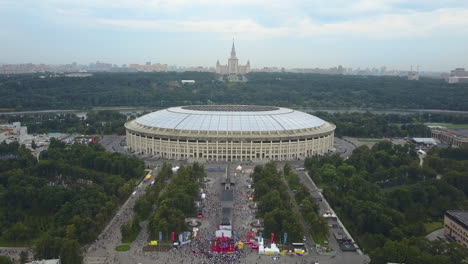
454, 138
456, 226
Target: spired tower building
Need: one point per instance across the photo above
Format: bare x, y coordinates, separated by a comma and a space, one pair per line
233, 67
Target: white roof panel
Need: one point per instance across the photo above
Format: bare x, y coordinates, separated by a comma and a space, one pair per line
230, 118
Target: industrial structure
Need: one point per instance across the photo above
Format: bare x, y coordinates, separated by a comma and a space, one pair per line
230, 132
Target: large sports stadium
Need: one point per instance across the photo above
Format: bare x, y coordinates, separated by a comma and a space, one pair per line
230, 133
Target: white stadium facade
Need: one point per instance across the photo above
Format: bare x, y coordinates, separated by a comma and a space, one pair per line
229, 133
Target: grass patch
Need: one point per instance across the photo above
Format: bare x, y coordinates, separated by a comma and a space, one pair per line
130, 230
122, 248
449, 125
432, 226
129, 238
369, 139
319, 239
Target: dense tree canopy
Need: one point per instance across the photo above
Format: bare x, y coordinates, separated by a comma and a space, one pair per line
282, 89
177, 202
376, 125
383, 195
274, 202
64, 200
308, 206
96, 122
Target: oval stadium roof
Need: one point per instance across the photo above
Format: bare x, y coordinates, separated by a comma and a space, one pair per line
243, 118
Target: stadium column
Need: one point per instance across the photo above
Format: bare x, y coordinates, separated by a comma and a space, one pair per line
217, 150
306, 151
332, 139
178, 150
289, 150
241, 154
170, 148
227, 152
232, 151
251, 149
146, 145
271, 149
261, 148
135, 142
297, 148
207, 152
280, 150
160, 147
141, 143
186, 149
198, 150
154, 146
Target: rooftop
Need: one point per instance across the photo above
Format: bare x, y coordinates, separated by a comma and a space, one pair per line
460, 215
244, 118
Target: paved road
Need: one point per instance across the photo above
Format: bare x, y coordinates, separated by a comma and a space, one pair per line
343, 147
439, 233
103, 249
341, 257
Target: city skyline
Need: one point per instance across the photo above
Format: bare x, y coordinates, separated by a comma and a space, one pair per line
297, 34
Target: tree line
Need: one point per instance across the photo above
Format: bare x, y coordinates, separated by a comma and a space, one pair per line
274, 203
177, 201
376, 125
385, 198
32, 92
309, 208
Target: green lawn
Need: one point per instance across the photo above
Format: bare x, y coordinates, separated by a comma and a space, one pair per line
318, 239
131, 237
369, 139
432, 226
449, 125
122, 248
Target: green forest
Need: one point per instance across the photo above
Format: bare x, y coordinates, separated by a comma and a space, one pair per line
274, 202
62, 201
376, 125
31, 92
385, 199
96, 123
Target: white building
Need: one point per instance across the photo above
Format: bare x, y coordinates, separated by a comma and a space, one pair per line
459, 75
230, 133
233, 67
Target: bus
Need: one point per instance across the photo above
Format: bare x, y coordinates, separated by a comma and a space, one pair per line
147, 178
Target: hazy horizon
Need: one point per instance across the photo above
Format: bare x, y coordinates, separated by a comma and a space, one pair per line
290, 34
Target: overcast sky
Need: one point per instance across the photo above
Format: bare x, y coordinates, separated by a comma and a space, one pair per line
289, 33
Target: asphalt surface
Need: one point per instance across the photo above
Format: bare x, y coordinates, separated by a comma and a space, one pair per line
103, 249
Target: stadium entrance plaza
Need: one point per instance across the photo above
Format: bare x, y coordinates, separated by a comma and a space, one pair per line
198, 251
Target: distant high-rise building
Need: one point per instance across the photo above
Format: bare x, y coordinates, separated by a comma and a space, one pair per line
233, 67
413, 75
459, 75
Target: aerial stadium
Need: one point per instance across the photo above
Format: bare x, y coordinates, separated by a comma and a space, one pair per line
229, 133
